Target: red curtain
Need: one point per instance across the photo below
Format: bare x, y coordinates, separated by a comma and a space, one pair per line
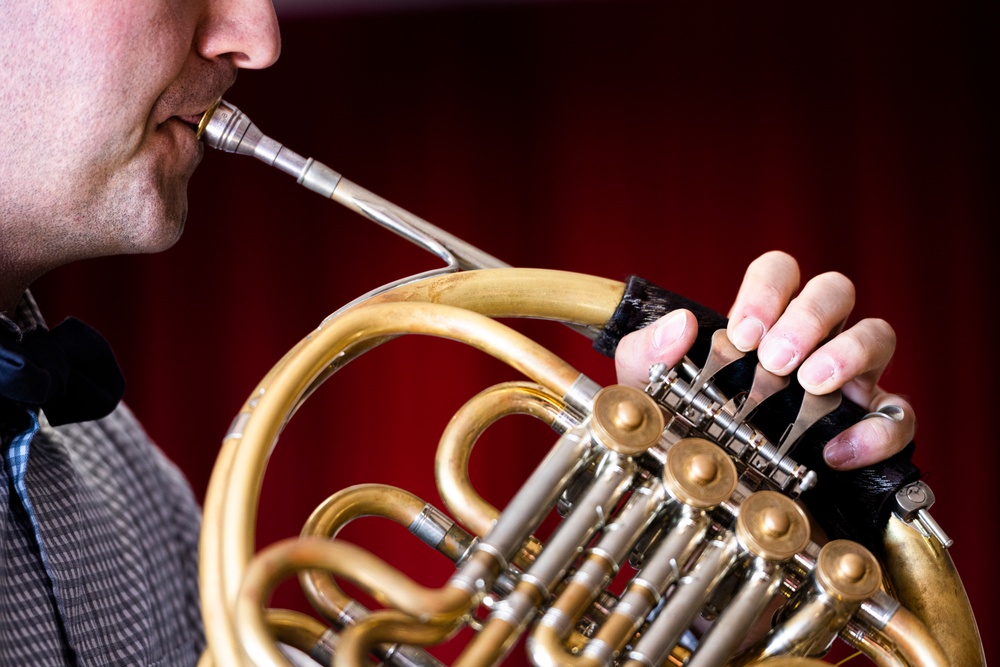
673, 140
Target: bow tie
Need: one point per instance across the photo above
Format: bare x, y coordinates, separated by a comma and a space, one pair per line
69, 371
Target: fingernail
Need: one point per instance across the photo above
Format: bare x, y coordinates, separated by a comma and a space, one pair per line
838, 453
816, 372
669, 330
776, 354
748, 333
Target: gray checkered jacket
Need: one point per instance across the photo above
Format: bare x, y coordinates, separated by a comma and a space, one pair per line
115, 579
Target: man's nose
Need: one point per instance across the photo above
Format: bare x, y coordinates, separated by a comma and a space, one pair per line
244, 31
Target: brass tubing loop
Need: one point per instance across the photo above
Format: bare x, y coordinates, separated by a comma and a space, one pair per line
231, 498
679, 531
451, 463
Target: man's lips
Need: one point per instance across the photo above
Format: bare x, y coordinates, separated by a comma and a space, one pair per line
192, 119
184, 140
191, 114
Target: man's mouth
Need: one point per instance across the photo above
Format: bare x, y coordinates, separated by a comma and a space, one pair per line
191, 120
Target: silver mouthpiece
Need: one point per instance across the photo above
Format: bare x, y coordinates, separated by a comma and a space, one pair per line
228, 129
224, 127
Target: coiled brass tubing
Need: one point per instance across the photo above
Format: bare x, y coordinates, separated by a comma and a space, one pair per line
451, 464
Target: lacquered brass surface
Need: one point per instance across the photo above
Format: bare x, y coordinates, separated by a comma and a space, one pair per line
925, 580
336, 512
696, 471
848, 571
699, 473
772, 526
230, 506
235, 586
626, 420
451, 463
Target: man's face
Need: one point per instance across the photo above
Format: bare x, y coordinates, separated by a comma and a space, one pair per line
96, 143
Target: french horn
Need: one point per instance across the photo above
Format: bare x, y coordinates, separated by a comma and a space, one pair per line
686, 493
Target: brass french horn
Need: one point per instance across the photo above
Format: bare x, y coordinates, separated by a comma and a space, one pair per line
675, 484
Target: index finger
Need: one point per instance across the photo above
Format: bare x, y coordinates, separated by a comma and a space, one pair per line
768, 285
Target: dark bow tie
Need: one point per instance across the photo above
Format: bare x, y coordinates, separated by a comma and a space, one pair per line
69, 371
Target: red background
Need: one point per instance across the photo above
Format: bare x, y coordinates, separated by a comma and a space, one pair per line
674, 140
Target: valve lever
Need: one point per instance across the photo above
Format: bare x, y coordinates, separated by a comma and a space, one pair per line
814, 407
765, 385
721, 354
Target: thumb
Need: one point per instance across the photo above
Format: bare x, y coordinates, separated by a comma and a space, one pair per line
664, 341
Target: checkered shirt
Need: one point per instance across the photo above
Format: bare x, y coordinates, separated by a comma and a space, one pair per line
98, 543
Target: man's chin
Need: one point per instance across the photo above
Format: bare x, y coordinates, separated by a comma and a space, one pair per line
155, 229
170, 233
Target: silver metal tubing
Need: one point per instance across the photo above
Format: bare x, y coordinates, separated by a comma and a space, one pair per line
431, 525
594, 574
538, 494
878, 609
589, 515
807, 631
397, 655
660, 571
229, 129
685, 603
667, 562
642, 508
731, 627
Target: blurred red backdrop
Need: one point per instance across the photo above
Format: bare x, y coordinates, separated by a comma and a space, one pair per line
673, 140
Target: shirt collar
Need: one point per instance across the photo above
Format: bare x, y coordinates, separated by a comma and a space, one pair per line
25, 318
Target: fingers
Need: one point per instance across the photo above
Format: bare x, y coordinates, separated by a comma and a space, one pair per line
768, 285
888, 428
854, 361
666, 340
801, 331
789, 331
786, 330
818, 312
